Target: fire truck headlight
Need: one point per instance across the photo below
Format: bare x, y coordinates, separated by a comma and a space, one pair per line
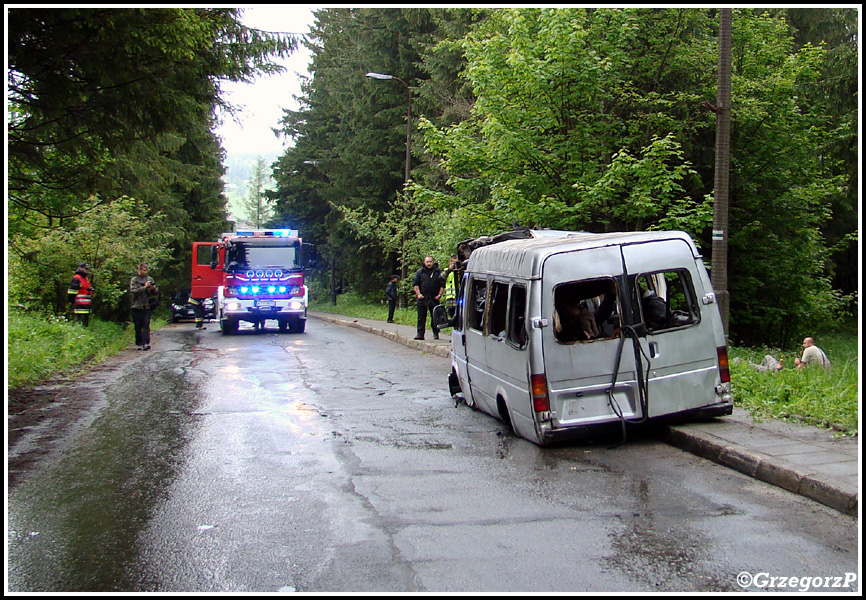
233, 305
296, 305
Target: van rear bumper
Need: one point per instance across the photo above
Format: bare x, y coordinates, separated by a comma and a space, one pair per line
549, 435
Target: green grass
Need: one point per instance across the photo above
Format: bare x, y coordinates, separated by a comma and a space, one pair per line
813, 395
41, 346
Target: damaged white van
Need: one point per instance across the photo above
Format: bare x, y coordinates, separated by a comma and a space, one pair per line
561, 332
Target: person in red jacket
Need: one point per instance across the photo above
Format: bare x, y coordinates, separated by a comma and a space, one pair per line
80, 294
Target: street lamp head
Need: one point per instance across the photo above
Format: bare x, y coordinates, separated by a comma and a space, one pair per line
379, 76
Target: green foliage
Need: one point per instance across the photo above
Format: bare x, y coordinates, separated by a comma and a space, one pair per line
111, 238
566, 100
781, 187
41, 345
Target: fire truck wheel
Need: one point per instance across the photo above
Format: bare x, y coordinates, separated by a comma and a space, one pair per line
228, 326
298, 325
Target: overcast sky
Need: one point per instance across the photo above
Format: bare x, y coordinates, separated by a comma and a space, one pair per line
262, 101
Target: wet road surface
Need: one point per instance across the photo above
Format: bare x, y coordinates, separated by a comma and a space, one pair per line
336, 461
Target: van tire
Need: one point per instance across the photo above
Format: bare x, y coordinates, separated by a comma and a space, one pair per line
503, 412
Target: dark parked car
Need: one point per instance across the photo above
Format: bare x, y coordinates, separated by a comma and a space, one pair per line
182, 309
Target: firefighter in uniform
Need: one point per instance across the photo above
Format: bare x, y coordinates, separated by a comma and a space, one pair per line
80, 294
198, 307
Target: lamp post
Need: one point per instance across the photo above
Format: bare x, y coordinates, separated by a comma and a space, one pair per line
408, 160
408, 120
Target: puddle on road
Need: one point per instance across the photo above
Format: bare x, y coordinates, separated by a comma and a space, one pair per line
90, 504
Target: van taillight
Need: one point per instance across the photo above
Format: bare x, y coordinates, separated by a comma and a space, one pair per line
724, 369
539, 393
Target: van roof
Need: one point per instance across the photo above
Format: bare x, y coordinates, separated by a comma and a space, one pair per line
523, 258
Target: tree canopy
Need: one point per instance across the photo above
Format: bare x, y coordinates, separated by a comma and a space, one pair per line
596, 119
590, 119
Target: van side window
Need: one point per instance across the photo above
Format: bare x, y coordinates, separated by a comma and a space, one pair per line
498, 309
667, 300
586, 310
517, 316
477, 303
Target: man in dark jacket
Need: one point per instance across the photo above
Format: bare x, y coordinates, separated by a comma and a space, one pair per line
427, 284
392, 295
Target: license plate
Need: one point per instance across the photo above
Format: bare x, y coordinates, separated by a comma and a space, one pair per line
265, 303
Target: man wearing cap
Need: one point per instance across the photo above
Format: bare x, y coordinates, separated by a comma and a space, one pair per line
80, 294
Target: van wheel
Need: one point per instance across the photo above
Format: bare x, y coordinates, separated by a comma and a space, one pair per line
503, 412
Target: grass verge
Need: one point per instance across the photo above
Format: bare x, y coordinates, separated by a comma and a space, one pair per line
41, 346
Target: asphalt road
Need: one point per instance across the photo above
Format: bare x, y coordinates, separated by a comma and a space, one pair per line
335, 461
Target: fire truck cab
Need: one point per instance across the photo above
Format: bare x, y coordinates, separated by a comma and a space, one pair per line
254, 276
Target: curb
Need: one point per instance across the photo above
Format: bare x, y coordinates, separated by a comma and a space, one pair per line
763, 468
442, 351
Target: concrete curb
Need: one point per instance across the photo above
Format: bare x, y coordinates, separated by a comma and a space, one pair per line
763, 468
443, 351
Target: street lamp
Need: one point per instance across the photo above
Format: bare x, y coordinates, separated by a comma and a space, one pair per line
408, 156
408, 119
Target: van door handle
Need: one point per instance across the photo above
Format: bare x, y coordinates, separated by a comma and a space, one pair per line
654, 349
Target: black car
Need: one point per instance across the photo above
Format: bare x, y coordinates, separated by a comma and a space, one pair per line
181, 308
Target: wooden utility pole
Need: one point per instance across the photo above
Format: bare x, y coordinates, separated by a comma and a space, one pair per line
719, 271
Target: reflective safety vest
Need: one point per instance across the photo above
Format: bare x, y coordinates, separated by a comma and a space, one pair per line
449, 295
80, 288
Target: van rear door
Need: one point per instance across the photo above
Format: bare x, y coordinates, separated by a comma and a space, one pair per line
680, 341
580, 370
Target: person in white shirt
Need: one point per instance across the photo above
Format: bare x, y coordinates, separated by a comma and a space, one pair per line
812, 355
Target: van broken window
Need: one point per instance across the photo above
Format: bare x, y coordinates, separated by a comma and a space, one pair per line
586, 310
667, 300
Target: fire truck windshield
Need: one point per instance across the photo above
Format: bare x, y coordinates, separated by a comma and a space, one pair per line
252, 256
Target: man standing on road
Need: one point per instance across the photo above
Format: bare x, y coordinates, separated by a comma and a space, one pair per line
428, 289
392, 295
144, 291
80, 294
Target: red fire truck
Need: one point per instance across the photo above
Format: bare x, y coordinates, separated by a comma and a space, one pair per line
254, 276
